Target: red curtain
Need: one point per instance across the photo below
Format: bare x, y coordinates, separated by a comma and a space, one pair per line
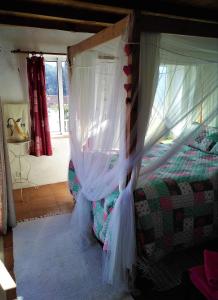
40, 133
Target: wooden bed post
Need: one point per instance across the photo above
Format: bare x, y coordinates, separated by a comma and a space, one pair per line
133, 51
99, 38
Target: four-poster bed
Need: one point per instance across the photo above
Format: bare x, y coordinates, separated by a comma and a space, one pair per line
132, 188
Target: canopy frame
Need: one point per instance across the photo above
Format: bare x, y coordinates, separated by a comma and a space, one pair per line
141, 22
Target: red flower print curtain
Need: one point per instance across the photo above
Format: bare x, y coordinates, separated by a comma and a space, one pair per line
40, 133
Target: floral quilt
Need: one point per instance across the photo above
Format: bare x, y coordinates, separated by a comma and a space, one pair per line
176, 206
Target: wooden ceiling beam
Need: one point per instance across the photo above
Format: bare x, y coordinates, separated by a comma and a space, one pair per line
62, 10
109, 11
95, 5
183, 26
41, 21
88, 16
185, 8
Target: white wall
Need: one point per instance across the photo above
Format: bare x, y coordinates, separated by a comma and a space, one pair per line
13, 89
40, 170
10, 86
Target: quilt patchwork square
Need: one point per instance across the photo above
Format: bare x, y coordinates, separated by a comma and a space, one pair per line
142, 208
185, 188
178, 218
166, 204
172, 186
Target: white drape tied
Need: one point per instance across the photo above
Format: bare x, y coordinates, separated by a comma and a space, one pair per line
121, 241
82, 221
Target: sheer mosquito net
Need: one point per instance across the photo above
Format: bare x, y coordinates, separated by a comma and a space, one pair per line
177, 99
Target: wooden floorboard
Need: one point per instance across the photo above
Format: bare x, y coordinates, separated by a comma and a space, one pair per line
50, 199
43, 200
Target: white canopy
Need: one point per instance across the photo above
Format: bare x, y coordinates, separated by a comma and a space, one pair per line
178, 85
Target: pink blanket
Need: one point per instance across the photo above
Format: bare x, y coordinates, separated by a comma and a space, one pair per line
198, 278
211, 268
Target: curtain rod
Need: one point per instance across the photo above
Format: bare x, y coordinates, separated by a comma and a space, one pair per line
102, 56
37, 52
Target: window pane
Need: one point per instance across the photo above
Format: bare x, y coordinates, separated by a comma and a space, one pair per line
66, 96
51, 79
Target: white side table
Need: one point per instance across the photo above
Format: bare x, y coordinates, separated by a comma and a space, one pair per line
19, 155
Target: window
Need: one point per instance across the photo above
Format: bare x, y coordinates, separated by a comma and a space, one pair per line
57, 94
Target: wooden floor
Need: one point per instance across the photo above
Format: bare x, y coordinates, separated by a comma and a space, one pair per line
43, 200
37, 202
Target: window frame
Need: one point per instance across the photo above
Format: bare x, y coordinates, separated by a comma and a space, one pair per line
59, 59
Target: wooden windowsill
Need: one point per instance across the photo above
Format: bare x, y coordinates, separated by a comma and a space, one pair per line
60, 136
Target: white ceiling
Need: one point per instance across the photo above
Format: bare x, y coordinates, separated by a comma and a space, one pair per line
38, 39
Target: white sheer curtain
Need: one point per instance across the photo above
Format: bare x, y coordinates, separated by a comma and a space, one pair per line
187, 81
187, 87
178, 82
97, 128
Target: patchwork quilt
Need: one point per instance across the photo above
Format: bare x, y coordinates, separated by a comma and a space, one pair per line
176, 206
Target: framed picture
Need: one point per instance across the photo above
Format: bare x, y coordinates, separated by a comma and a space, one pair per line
16, 122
